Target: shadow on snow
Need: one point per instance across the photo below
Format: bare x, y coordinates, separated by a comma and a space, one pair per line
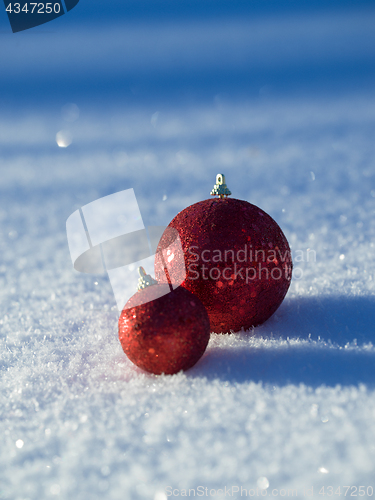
332, 327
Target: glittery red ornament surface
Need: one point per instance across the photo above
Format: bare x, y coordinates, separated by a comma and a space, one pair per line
237, 260
164, 335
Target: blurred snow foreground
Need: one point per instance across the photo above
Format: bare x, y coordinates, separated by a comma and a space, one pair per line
288, 406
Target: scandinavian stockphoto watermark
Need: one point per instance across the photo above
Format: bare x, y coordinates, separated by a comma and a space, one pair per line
108, 236
25, 15
263, 489
246, 263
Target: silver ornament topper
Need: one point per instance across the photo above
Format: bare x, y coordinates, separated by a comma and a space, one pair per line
145, 280
220, 188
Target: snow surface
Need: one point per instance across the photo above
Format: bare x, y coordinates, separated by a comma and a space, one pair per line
288, 405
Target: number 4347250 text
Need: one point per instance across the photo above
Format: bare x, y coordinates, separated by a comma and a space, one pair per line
37, 8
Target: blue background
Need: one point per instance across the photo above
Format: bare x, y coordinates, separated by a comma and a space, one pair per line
139, 52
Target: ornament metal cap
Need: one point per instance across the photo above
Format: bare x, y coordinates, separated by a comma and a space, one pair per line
145, 280
220, 188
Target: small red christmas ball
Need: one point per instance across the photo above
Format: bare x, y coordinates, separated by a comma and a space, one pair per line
237, 260
166, 334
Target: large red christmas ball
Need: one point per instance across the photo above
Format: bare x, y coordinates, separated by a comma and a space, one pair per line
164, 335
237, 261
